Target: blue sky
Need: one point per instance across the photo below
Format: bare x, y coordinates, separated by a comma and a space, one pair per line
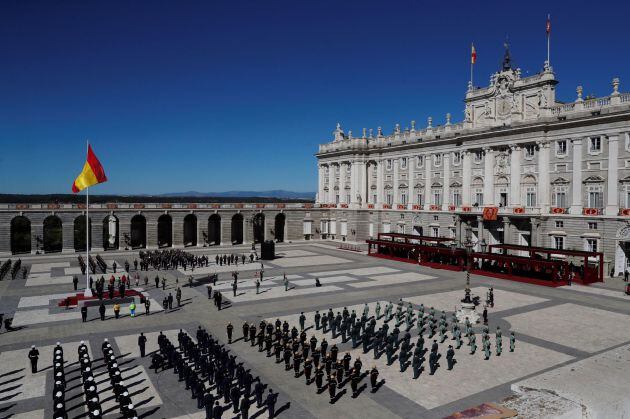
224, 95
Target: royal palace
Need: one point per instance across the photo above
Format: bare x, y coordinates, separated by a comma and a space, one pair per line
522, 168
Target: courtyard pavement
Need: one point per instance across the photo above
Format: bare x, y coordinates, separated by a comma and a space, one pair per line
557, 331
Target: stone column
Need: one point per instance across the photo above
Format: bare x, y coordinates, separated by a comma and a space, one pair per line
320, 183
612, 194
576, 180
342, 183
427, 179
396, 197
488, 178
506, 230
543, 176
467, 178
515, 176
446, 198
363, 190
410, 182
380, 181
354, 185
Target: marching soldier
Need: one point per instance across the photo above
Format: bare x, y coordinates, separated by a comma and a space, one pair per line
319, 377
416, 363
332, 387
142, 341
84, 312
486, 349
472, 343
373, 377
33, 356
302, 320
245, 331
308, 368
317, 319
433, 362
378, 310
513, 340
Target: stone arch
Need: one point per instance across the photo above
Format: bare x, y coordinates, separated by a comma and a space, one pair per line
79, 233
477, 181
111, 232
279, 227
214, 229
138, 232
190, 230
53, 234
237, 229
258, 223
529, 180
165, 231
20, 235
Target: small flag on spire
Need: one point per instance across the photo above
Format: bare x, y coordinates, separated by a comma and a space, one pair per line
548, 27
473, 54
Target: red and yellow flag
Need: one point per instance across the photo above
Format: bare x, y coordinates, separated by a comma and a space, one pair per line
473, 54
92, 173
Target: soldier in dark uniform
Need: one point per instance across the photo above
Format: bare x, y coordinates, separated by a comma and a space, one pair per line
208, 401
354, 382
217, 411
317, 319
302, 320
230, 329
235, 395
450, 357
245, 403
84, 312
258, 392
308, 368
271, 403
101, 311
332, 387
245, 331
373, 377
33, 356
142, 341
433, 362
319, 378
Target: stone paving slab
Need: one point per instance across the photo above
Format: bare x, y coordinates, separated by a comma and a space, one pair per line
598, 383
46, 279
606, 292
33, 414
374, 270
391, 279
295, 253
279, 292
324, 281
308, 261
46, 267
41, 300
448, 301
585, 328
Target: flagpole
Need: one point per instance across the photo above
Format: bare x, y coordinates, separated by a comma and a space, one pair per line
88, 290
548, 38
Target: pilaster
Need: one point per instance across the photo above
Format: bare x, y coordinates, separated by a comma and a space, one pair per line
576, 179
467, 178
612, 201
515, 175
446, 163
488, 178
543, 176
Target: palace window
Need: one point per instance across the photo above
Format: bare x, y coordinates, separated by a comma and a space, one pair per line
436, 218
530, 196
591, 245
420, 161
478, 156
389, 164
627, 196
530, 150
403, 198
437, 159
457, 197
435, 231
478, 197
457, 158
347, 198
437, 196
592, 225
595, 144
558, 242
419, 198
348, 168
595, 196
559, 197
403, 162
561, 148
374, 198
336, 198
389, 198
559, 224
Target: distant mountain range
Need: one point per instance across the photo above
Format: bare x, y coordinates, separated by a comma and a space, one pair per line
278, 193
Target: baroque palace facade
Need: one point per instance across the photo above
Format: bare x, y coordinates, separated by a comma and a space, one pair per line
555, 174
522, 168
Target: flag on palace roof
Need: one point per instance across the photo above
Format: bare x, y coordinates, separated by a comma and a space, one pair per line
548, 27
473, 54
92, 173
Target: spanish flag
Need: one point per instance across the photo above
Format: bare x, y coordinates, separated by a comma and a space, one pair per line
92, 173
473, 54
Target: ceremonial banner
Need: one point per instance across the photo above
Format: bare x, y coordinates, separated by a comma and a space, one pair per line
490, 213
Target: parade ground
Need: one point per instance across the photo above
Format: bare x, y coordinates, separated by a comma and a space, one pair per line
571, 352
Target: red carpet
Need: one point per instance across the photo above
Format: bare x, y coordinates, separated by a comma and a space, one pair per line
74, 299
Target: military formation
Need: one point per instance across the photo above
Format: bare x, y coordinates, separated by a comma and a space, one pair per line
214, 377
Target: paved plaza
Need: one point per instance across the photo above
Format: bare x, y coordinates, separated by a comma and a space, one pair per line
572, 343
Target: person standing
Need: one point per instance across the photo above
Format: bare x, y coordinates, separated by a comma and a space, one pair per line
142, 343
234, 287
178, 296
373, 378
271, 403
101, 311
170, 301
116, 310
245, 404
147, 306
75, 281
33, 356
132, 309
84, 312
286, 283
230, 330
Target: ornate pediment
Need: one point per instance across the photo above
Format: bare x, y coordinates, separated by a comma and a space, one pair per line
456, 185
594, 179
560, 181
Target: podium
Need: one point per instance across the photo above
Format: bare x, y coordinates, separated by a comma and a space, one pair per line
268, 250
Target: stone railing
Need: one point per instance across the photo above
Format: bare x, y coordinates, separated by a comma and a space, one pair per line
590, 104
159, 206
